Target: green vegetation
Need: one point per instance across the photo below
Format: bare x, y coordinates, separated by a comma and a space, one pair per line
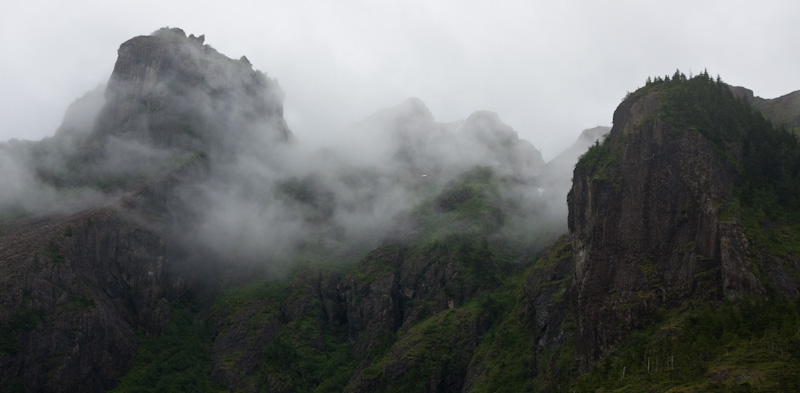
23, 320
483, 203
508, 352
80, 302
458, 231
783, 111
769, 162
598, 158
176, 361
308, 356
472, 253
269, 290
13, 212
440, 344
470, 204
54, 253
506, 349
491, 324
309, 196
116, 182
747, 345
293, 362
705, 105
766, 197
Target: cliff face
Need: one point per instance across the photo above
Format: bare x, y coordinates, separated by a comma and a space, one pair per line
75, 292
458, 297
645, 216
171, 91
85, 279
392, 320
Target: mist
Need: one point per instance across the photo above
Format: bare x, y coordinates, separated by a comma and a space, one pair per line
278, 201
549, 69
196, 143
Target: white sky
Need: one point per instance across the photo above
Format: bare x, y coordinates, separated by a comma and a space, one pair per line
550, 69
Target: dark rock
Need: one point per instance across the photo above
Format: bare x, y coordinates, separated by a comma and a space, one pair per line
87, 283
168, 92
646, 228
372, 298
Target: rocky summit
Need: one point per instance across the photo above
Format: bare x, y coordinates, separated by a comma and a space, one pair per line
173, 235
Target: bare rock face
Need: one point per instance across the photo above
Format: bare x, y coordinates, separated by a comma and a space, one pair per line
372, 298
646, 227
80, 287
170, 91
75, 292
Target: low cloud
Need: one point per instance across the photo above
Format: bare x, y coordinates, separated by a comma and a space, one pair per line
203, 140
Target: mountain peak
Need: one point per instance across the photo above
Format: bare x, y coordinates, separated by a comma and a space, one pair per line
487, 127
170, 90
410, 108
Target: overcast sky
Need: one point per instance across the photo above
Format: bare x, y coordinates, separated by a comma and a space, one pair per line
550, 69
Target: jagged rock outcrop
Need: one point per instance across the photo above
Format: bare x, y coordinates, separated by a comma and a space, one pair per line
83, 279
645, 217
170, 91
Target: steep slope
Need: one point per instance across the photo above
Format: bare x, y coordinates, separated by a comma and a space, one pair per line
566, 160
378, 316
666, 215
177, 185
91, 269
783, 111
75, 292
646, 208
213, 255
644, 214
555, 179
168, 90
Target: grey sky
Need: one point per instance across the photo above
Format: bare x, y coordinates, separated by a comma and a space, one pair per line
550, 69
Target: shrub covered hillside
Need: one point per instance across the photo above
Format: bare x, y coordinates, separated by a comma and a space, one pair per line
420, 313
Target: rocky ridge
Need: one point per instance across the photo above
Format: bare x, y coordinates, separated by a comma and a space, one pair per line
466, 297
82, 285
